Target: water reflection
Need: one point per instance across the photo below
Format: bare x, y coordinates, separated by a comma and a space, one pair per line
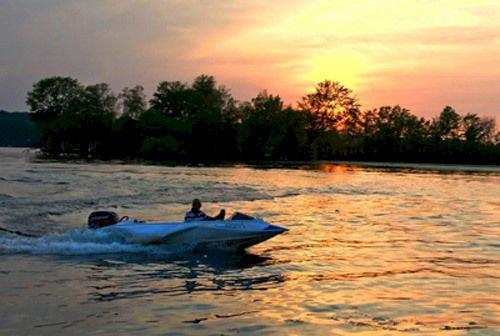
371, 250
135, 276
335, 168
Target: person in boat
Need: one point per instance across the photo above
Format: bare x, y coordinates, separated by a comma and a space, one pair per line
195, 214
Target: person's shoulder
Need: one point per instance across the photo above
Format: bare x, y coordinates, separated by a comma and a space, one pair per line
190, 214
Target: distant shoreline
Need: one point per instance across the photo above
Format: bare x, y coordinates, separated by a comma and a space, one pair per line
429, 166
425, 165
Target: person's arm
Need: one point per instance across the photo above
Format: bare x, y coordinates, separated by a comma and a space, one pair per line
220, 216
204, 217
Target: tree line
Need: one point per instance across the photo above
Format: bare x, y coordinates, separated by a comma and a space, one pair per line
202, 122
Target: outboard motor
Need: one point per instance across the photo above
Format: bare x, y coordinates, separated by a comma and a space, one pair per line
99, 219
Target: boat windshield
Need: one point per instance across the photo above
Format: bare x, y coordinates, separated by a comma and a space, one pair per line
241, 216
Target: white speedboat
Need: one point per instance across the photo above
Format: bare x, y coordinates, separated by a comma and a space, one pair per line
239, 232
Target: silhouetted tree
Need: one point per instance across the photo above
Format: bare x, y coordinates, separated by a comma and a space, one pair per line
394, 133
293, 143
207, 107
126, 139
133, 101
478, 129
172, 99
203, 122
93, 119
333, 107
259, 135
49, 100
447, 125
126, 135
153, 123
158, 144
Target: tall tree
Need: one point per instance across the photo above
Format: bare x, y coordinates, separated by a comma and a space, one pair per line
207, 107
477, 129
133, 102
447, 125
51, 101
396, 132
259, 134
92, 120
53, 96
333, 106
172, 98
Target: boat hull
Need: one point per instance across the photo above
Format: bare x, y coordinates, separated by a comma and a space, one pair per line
238, 234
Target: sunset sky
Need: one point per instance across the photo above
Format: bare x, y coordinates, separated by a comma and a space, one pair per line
420, 54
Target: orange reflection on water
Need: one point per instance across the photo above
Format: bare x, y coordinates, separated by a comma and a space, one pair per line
369, 251
376, 251
335, 168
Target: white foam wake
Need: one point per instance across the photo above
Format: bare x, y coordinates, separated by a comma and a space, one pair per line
76, 242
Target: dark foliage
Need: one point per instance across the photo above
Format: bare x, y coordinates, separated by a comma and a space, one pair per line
201, 122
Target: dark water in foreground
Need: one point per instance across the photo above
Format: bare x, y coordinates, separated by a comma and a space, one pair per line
370, 251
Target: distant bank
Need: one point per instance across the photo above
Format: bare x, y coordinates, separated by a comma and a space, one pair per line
201, 122
336, 167
18, 130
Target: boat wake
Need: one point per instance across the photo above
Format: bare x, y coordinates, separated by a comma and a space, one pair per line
80, 242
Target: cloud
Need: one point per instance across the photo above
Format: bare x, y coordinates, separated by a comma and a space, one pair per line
421, 54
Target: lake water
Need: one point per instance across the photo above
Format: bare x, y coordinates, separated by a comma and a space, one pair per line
413, 250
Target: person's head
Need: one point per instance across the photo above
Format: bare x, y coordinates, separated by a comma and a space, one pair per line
196, 204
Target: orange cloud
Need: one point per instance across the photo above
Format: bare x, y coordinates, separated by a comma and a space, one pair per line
389, 52
420, 54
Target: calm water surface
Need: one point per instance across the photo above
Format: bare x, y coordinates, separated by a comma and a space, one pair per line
370, 251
